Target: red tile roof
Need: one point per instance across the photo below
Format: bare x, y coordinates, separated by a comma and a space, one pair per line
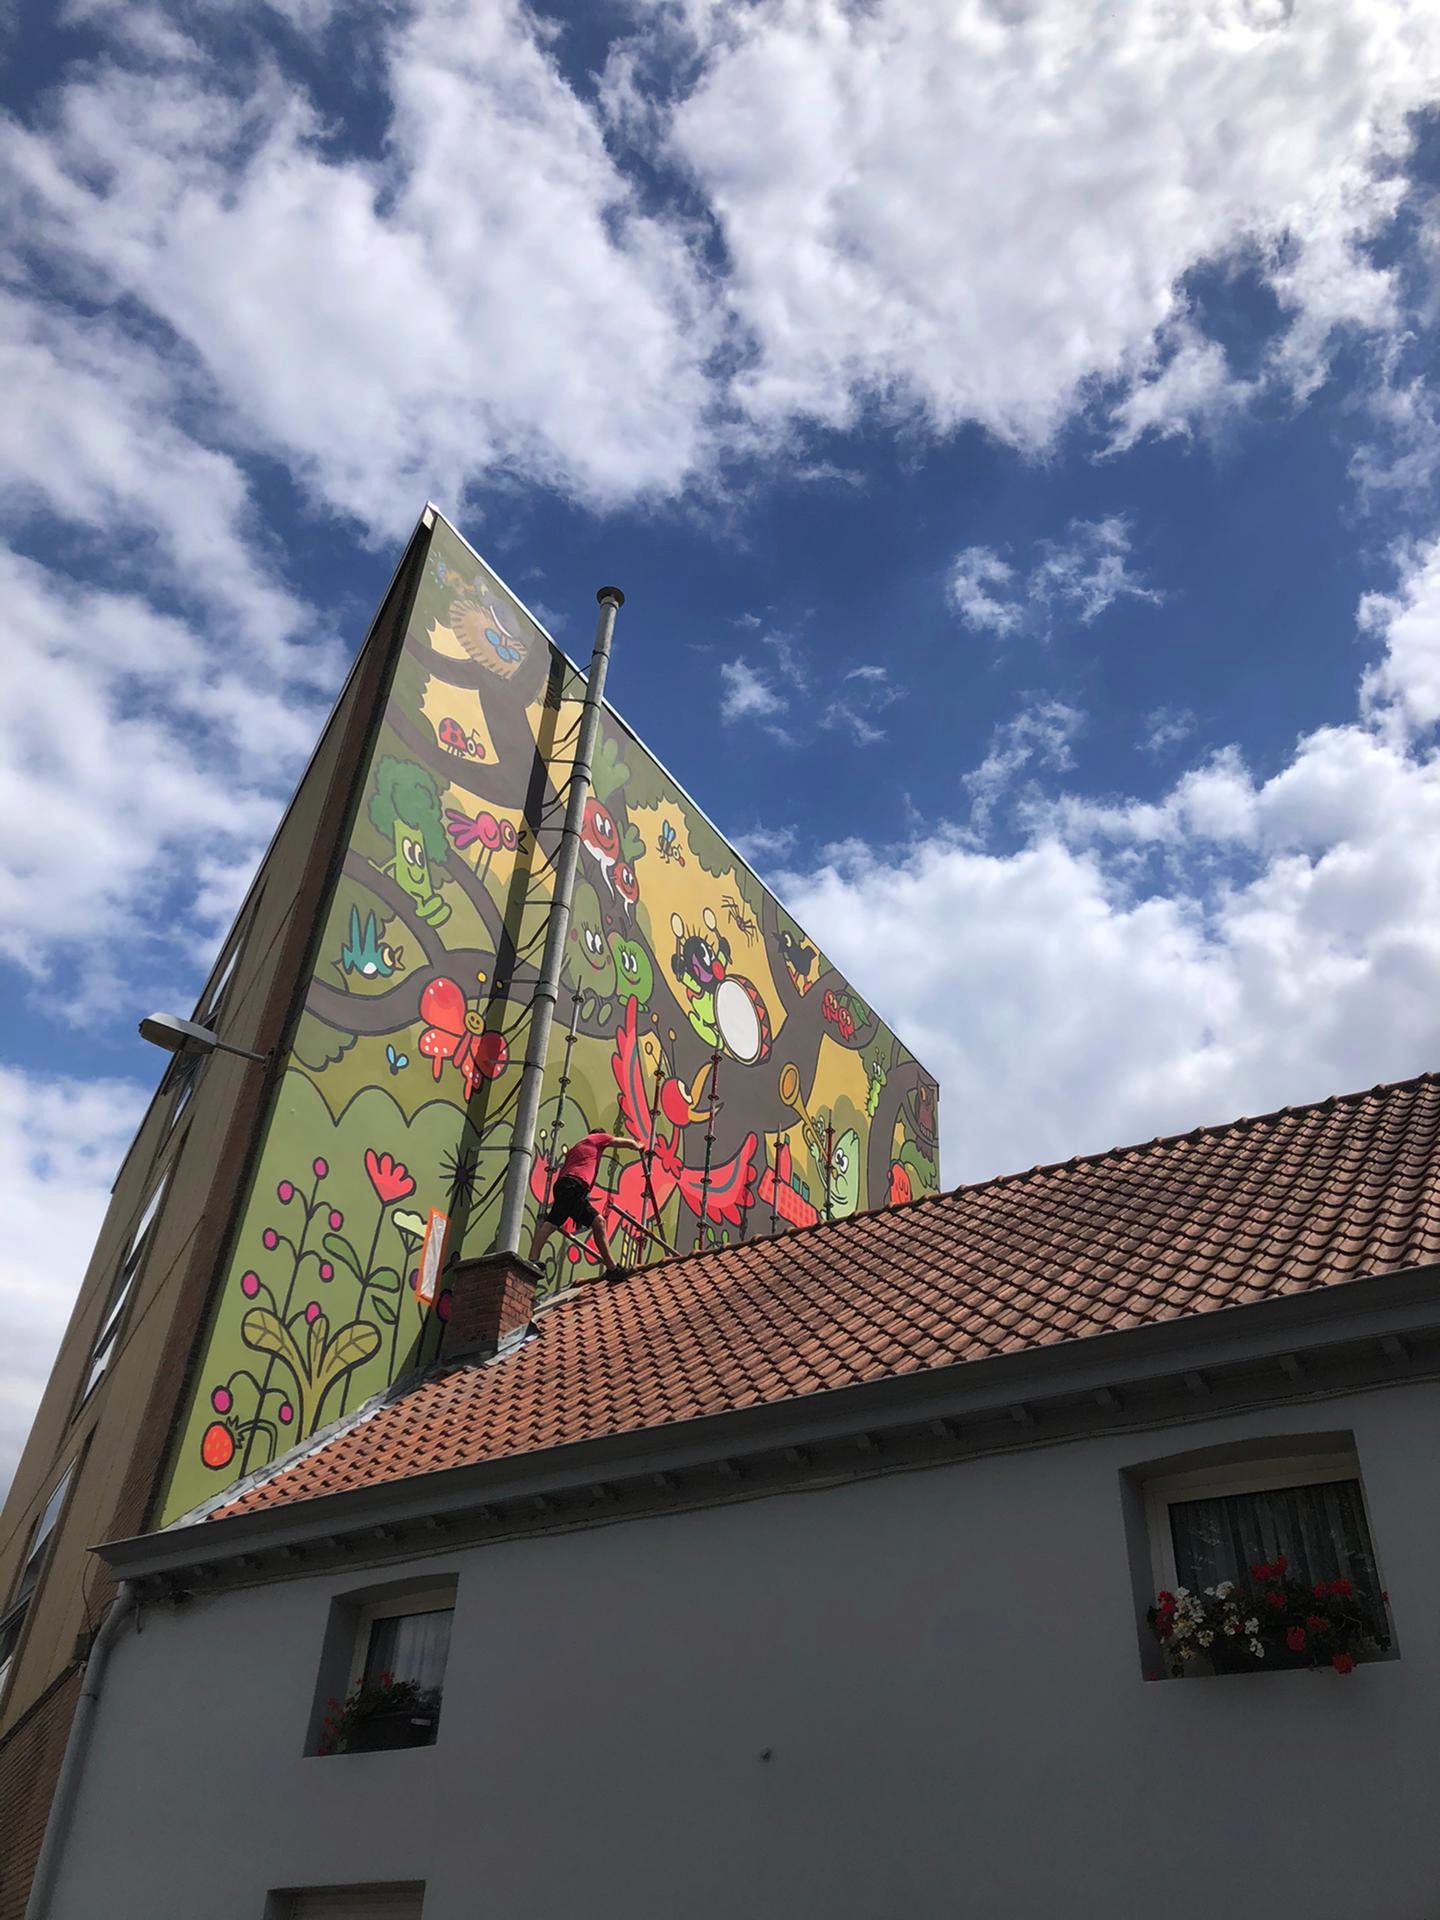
1307, 1197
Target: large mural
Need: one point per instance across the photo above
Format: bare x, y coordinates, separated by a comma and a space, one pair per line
696, 1019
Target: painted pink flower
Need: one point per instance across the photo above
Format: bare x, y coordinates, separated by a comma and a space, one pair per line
389, 1177
270, 1239
250, 1285
321, 1169
442, 1306
287, 1413
285, 1193
327, 1272
220, 1400
337, 1219
312, 1312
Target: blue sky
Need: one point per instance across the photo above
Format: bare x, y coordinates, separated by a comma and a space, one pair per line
1014, 427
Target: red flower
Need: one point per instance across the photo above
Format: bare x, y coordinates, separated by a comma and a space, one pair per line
1385, 1596
1343, 1587
1280, 1565
1343, 1662
1166, 1600
387, 1680
1295, 1639
1320, 1589
390, 1179
1276, 1600
1316, 1625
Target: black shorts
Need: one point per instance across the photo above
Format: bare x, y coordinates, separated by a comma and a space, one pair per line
571, 1201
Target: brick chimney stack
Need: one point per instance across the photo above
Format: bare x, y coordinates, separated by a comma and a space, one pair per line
489, 1298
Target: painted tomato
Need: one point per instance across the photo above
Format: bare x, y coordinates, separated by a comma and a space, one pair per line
217, 1445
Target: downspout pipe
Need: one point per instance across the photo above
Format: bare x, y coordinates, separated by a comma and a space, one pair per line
77, 1747
547, 987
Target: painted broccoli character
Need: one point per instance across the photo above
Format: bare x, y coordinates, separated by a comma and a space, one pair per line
405, 809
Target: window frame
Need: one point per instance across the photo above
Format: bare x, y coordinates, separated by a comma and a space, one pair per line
122, 1290
17, 1611
430, 1599
1258, 1475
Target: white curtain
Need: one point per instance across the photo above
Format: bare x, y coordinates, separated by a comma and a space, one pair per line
1320, 1530
410, 1646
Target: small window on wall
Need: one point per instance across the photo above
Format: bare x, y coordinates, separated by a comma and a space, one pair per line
102, 1352
12, 1624
397, 1676
1266, 1564
389, 1902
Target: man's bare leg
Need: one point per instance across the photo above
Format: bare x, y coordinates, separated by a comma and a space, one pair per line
537, 1245
602, 1247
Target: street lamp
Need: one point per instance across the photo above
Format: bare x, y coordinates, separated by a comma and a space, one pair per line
175, 1035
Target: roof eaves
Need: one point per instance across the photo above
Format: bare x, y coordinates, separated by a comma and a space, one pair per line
1373, 1310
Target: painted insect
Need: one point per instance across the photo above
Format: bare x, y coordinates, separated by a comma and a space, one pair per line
667, 846
396, 1061
739, 919
455, 738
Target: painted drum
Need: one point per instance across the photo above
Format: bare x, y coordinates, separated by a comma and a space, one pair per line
743, 1023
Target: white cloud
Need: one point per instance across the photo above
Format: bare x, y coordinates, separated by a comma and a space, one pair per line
1164, 728
1039, 737
763, 846
1070, 999
60, 1141
1083, 574
972, 213
746, 694
980, 592
1190, 386
486, 298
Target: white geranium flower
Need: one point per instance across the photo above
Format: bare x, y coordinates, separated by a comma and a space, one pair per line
1206, 1638
1225, 1589
1257, 1649
1252, 1626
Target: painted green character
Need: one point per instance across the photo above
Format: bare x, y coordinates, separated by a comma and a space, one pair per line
633, 971
699, 963
405, 809
844, 1173
589, 964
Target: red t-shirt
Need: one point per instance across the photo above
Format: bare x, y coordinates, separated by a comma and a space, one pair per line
582, 1162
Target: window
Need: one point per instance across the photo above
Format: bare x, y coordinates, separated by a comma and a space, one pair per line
1217, 1523
397, 1673
13, 1623
103, 1350
350, 1903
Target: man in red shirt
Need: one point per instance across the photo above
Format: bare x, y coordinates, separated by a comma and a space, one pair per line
570, 1198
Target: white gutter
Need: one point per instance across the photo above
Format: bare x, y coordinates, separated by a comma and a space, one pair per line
77, 1747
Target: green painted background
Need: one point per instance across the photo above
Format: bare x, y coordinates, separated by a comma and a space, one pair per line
397, 1094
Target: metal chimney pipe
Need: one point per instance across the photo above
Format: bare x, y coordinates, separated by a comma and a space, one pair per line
547, 987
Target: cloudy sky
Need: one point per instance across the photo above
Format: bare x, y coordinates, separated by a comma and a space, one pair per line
1015, 424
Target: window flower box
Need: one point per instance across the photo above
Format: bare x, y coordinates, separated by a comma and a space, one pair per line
381, 1717
1277, 1621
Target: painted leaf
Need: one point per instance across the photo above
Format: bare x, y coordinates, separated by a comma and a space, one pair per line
319, 1334
350, 1346
384, 1307
632, 842
267, 1333
339, 1248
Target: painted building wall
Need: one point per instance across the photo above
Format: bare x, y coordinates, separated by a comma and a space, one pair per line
942, 1666
116, 1439
699, 1021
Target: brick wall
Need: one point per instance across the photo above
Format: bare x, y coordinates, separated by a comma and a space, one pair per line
30, 1756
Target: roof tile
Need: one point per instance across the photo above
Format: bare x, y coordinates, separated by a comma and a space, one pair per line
1257, 1209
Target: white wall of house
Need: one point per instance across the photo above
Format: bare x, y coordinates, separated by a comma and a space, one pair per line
943, 1665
